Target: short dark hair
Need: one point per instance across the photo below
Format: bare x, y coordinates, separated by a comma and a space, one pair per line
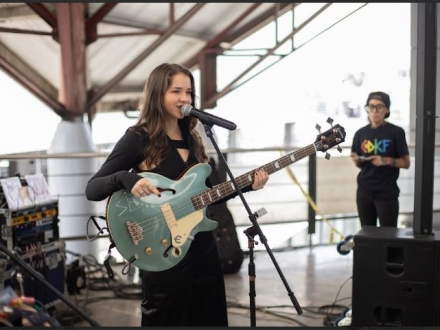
381, 96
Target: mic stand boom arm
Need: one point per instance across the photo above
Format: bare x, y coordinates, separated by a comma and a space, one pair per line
250, 232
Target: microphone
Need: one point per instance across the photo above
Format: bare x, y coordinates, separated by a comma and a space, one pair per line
207, 118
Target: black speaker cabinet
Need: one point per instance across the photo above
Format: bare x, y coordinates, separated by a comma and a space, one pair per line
395, 278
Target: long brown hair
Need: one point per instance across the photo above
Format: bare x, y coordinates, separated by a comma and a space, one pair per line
152, 115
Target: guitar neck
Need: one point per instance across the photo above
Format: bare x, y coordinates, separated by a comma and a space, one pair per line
227, 188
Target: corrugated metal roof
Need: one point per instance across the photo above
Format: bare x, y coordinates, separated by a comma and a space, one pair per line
125, 32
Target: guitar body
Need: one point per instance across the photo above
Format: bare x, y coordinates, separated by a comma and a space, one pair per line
155, 233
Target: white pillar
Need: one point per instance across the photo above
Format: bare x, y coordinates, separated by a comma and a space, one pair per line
67, 179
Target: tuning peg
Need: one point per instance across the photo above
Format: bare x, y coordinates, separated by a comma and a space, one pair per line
339, 148
327, 155
318, 128
330, 121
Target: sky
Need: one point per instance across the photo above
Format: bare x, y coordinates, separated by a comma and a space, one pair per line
373, 41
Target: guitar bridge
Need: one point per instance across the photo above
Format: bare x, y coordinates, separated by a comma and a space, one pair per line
135, 232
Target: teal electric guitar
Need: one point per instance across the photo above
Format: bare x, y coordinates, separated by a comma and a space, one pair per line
154, 233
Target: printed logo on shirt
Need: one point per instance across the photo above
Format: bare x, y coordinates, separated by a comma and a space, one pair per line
376, 146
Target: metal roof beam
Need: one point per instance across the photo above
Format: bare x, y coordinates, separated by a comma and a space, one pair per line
20, 11
92, 22
243, 31
124, 106
259, 22
31, 80
24, 31
214, 42
44, 13
232, 86
156, 29
172, 13
159, 41
207, 59
127, 89
131, 34
73, 85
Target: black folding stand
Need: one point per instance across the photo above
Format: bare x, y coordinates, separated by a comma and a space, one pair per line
39, 277
250, 233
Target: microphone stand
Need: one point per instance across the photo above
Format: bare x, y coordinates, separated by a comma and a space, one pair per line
39, 277
250, 233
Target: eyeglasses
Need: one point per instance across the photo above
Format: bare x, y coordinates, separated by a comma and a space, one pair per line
372, 107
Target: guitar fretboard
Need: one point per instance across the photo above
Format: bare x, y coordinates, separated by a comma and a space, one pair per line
227, 188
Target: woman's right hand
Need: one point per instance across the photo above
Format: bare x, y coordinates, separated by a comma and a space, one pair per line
144, 188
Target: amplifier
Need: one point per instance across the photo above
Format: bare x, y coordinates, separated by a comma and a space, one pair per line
22, 228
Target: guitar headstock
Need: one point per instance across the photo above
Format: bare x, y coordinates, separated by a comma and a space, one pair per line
330, 138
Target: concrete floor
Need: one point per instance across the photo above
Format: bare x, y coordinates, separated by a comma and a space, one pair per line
319, 278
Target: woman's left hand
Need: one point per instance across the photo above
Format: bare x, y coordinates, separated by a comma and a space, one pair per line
260, 179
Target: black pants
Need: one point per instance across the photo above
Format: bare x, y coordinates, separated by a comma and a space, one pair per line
192, 293
371, 207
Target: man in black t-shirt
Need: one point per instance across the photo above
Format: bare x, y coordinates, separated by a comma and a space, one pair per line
380, 150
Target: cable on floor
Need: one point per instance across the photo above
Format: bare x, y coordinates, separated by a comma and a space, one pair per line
330, 312
331, 316
285, 316
96, 279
